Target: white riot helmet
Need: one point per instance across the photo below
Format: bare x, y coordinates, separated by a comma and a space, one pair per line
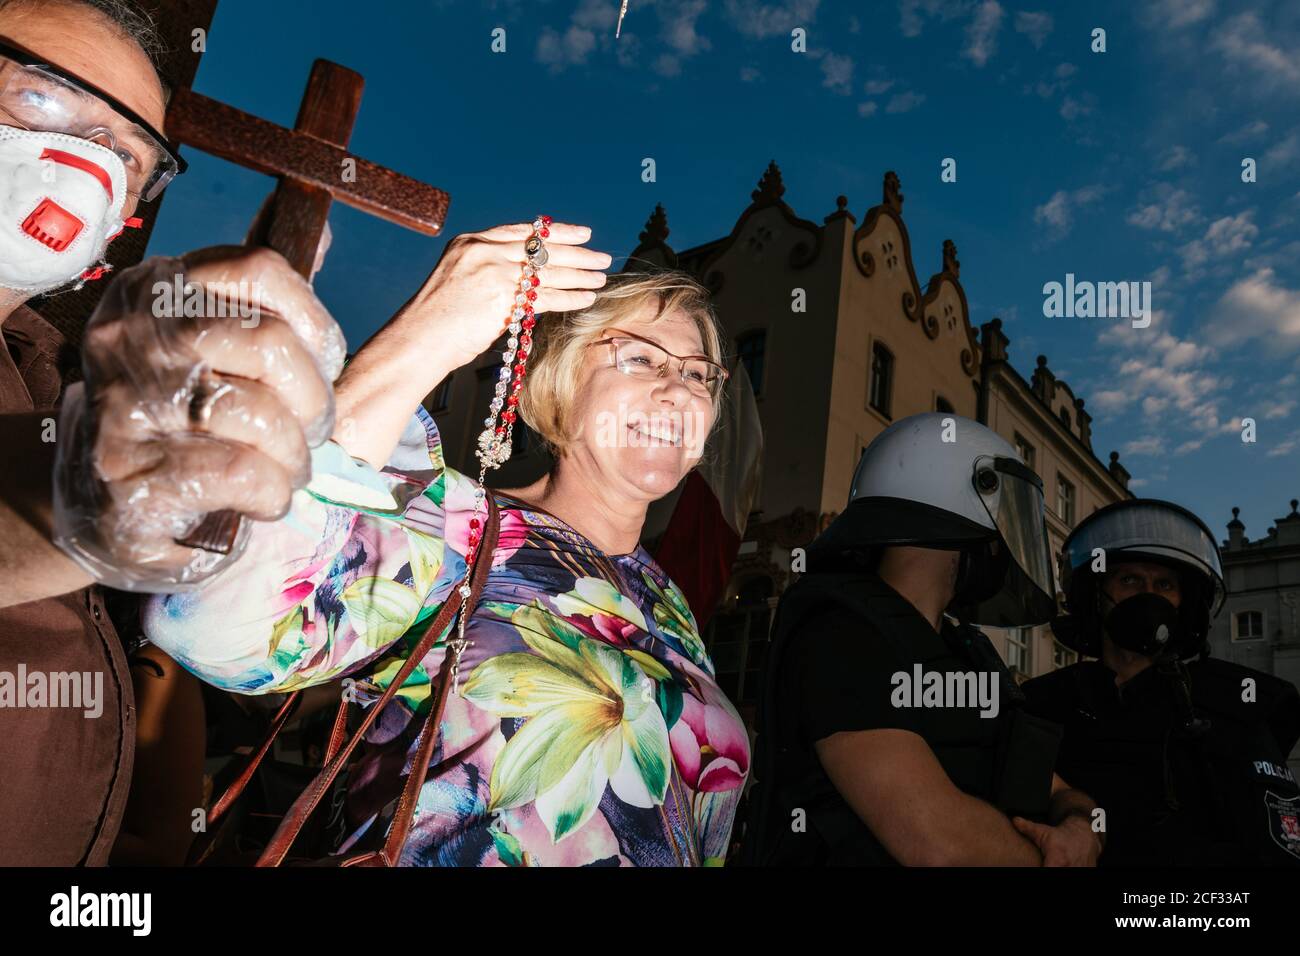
939, 480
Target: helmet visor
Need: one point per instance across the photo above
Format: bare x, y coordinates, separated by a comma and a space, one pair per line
1157, 529
1013, 497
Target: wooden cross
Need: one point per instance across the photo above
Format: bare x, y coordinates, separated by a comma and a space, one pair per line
314, 168
311, 161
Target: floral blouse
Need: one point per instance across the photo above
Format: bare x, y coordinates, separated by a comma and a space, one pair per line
589, 729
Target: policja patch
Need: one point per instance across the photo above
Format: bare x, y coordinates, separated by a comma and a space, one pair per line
1284, 821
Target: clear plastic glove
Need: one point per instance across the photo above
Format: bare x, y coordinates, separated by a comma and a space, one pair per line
207, 381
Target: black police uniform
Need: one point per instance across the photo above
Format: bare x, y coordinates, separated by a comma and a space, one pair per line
837, 642
1177, 792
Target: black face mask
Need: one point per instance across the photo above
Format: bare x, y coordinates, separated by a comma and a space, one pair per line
1145, 623
981, 572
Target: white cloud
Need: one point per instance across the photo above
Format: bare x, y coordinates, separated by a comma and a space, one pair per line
867, 109
982, 33
1228, 235
905, 102
666, 64
1249, 131
1245, 43
1280, 409
912, 13
1282, 154
749, 74
1148, 445
1257, 307
759, 21
1072, 109
1165, 378
1057, 214
1169, 211
876, 87
1285, 446
837, 73
1174, 14
1035, 26
570, 48
679, 20
1176, 158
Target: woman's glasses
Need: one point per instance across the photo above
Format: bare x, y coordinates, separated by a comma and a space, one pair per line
642, 358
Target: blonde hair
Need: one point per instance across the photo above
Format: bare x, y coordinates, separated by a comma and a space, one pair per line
561, 339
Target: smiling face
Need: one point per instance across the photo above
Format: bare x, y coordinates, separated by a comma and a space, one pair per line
1126, 580
641, 434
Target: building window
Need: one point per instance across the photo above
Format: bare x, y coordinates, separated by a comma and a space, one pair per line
882, 379
942, 404
1064, 499
1248, 625
1019, 647
1062, 656
1065, 418
440, 396
1025, 449
750, 349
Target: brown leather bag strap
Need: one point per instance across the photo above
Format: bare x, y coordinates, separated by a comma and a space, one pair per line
339, 732
404, 815
237, 785
302, 808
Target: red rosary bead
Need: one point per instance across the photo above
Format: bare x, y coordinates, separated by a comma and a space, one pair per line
530, 295
546, 219
512, 401
520, 369
545, 232
535, 281
529, 322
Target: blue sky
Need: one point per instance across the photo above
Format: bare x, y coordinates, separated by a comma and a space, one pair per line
1122, 165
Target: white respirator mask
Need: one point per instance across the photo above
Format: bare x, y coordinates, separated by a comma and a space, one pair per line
61, 201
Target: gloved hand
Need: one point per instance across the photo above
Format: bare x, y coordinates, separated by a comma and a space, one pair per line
207, 380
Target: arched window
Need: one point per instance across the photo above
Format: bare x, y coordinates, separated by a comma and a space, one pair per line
750, 349
942, 404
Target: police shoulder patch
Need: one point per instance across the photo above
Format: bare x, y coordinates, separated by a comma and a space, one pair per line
1284, 821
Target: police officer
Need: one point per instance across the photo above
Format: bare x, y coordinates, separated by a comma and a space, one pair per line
1188, 760
887, 732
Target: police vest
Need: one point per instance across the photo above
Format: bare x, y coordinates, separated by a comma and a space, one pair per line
1007, 760
1216, 793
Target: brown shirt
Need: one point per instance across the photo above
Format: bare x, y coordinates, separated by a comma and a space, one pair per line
64, 776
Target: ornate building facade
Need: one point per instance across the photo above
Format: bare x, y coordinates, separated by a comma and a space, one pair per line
1259, 625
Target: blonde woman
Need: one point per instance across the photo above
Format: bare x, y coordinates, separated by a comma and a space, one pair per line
589, 729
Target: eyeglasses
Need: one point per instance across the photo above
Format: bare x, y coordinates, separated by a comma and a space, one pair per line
642, 358
39, 96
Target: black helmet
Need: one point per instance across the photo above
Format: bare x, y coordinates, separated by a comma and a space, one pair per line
1141, 529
